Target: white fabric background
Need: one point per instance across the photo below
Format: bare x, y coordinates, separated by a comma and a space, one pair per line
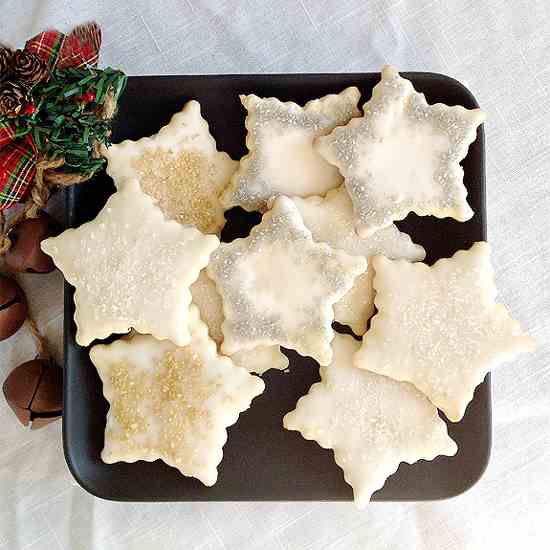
500, 49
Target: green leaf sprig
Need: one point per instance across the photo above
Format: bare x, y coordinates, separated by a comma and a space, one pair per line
66, 124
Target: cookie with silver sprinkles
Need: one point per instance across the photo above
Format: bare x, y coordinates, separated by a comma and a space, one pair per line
170, 402
439, 327
207, 298
281, 158
330, 220
371, 422
179, 167
131, 268
278, 286
403, 155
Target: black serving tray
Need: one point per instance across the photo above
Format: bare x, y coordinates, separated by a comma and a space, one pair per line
262, 461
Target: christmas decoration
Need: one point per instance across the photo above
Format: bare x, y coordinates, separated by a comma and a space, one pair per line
56, 108
12, 98
29, 67
34, 392
13, 307
33, 389
6, 57
25, 253
29, 109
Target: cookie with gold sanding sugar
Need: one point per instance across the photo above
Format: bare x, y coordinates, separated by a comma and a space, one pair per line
179, 167
169, 402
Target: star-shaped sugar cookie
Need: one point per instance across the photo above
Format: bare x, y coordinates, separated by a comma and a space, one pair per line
132, 268
278, 286
331, 221
403, 155
281, 158
170, 402
180, 167
439, 327
207, 298
371, 422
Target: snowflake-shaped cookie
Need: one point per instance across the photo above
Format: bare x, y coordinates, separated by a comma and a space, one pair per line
207, 298
131, 268
330, 220
403, 155
371, 422
439, 327
278, 286
172, 403
280, 140
179, 167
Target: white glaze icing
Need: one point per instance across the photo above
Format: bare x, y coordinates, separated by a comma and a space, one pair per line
439, 327
403, 155
259, 359
258, 272
172, 403
371, 422
292, 167
330, 220
278, 286
179, 167
205, 296
403, 160
281, 158
131, 268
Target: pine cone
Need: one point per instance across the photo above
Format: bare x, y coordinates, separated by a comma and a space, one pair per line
12, 97
6, 62
29, 68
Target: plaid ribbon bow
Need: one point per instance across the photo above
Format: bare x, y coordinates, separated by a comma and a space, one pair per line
19, 155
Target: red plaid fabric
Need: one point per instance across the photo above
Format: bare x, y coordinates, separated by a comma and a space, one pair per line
77, 49
18, 156
81, 47
47, 45
17, 171
7, 133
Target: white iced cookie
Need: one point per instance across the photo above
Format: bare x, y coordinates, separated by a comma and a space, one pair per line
207, 298
278, 286
260, 359
371, 422
172, 403
281, 158
180, 167
331, 221
439, 327
403, 155
131, 268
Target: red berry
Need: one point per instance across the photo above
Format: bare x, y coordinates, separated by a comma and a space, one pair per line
88, 97
29, 109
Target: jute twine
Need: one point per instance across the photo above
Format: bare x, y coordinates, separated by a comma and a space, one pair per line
41, 344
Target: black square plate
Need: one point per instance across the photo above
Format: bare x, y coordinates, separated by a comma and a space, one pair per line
262, 461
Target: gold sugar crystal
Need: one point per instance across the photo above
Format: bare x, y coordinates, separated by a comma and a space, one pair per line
184, 186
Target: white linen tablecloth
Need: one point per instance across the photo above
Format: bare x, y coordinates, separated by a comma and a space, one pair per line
501, 50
